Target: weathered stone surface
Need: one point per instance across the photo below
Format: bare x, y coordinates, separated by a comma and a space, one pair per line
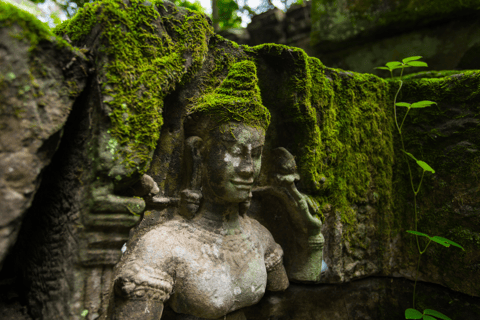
446, 137
446, 45
339, 20
366, 34
338, 125
274, 26
37, 91
365, 299
271, 25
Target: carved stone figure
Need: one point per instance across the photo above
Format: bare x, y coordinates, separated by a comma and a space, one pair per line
209, 263
307, 262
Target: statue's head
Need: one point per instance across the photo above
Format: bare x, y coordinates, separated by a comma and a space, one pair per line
231, 162
227, 132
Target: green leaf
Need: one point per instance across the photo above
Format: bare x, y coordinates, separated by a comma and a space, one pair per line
436, 314
418, 233
413, 314
422, 104
411, 59
383, 68
428, 318
393, 64
448, 241
84, 313
410, 155
440, 241
402, 104
417, 64
425, 166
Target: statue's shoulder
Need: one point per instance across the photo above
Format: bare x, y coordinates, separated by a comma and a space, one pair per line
258, 229
255, 224
158, 236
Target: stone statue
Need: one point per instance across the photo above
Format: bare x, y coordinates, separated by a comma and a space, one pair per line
211, 263
306, 263
212, 259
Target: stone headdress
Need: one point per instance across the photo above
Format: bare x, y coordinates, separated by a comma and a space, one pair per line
237, 99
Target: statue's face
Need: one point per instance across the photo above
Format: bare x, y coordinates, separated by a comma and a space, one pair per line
231, 162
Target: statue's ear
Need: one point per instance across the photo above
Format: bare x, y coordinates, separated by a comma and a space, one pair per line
190, 197
193, 161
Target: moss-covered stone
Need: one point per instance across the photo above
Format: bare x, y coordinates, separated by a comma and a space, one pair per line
338, 20
151, 47
156, 62
32, 29
237, 99
339, 126
445, 136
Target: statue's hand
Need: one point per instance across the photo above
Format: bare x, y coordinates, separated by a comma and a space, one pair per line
145, 187
305, 207
285, 176
111, 210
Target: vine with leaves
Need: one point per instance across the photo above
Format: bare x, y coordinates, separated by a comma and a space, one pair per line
412, 313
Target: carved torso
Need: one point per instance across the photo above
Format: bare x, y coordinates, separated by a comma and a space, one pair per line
199, 270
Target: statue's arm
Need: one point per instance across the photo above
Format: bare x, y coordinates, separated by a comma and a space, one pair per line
277, 279
127, 309
140, 289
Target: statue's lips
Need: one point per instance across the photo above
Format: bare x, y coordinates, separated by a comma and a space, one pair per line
241, 184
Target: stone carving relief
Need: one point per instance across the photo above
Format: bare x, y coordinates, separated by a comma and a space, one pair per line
155, 162
212, 259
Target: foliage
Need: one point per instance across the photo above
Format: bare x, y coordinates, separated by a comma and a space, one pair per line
412, 313
265, 5
227, 14
70, 7
228, 10
426, 315
195, 5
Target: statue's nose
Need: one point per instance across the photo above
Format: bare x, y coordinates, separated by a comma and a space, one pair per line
246, 167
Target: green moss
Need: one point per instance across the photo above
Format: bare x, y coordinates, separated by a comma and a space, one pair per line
342, 128
32, 29
236, 99
146, 50
445, 136
81, 24
431, 74
357, 142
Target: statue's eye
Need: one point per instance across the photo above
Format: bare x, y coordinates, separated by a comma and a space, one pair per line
235, 150
257, 152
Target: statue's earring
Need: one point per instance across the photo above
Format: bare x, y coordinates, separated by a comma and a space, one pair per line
191, 196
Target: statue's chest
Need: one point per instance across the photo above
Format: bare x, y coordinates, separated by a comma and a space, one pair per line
218, 276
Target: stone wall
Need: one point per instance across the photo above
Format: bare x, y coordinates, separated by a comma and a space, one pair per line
291, 28
366, 34
126, 108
